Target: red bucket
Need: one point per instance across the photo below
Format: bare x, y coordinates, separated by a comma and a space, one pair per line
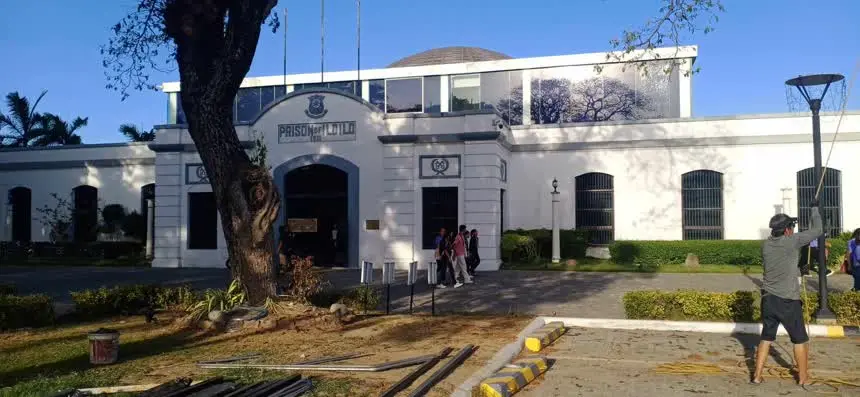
104, 346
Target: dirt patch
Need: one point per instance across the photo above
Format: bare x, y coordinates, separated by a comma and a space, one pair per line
154, 353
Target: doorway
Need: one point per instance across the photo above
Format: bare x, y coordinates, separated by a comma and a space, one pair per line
317, 214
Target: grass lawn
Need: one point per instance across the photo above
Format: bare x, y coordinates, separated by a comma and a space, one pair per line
42, 362
604, 265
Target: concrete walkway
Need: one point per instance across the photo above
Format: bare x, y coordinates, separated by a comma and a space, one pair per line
571, 294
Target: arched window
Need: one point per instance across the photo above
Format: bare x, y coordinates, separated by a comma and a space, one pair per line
702, 205
20, 204
595, 210
85, 215
830, 199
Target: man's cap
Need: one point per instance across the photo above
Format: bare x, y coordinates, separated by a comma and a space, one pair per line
781, 221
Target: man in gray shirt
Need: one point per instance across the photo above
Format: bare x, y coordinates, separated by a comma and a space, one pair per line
780, 295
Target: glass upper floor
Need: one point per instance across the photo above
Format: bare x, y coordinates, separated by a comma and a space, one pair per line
554, 94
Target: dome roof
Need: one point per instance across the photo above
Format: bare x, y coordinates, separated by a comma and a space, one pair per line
445, 55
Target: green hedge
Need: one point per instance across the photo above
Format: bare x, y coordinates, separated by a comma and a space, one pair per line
740, 306
129, 299
25, 311
526, 245
710, 252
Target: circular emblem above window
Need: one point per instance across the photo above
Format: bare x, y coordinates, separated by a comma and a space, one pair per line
439, 166
201, 173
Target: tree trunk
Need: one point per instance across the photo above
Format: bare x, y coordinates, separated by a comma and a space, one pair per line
215, 44
245, 194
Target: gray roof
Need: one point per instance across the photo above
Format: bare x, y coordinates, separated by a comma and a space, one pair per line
446, 55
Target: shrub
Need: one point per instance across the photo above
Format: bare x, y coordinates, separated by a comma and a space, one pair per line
25, 311
520, 248
129, 299
217, 299
572, 243
8, 289
364, 296
846, 306
710, 252
305, 281
740, 306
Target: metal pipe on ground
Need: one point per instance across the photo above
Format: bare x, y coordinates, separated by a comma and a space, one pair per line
246, 389
233, 359
214, 390
195, 388
315, 367
414, 375
449, 367
167, 387
272, 387
332, 359
296, 389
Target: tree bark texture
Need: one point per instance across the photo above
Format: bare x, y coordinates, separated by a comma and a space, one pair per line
215, 44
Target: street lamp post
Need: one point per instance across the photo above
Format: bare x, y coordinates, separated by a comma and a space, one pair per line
803, 83
556, 235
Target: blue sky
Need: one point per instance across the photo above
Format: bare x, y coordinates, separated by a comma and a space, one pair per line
54, 45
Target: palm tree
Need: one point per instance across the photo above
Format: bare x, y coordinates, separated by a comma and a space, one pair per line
21, 126
55, 131
135, 135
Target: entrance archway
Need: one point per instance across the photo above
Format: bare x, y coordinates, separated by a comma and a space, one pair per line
318, 194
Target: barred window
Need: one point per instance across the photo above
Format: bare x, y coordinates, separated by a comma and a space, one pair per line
830, 199
702, 205
595, 206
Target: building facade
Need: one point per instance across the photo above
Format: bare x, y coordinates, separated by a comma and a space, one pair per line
370, 166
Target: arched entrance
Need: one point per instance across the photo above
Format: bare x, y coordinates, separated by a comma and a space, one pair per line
319, 214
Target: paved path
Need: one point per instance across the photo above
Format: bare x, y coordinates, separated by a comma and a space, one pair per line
602, 362
596, 295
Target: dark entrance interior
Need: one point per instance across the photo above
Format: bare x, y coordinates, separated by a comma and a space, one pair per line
316, 198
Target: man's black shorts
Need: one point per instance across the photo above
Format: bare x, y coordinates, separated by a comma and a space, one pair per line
788, 312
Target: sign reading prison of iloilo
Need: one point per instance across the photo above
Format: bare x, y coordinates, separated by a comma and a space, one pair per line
316, 132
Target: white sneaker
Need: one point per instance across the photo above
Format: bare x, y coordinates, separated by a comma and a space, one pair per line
470, 282
441, 286
458, 285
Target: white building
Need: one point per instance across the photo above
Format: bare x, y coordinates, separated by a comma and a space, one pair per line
460, 136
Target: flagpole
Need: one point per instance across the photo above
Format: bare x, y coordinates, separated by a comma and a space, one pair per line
285, 50
322, 40
358, 42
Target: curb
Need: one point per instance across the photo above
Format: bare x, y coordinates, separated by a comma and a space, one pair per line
502, 358
816, 330
545, 336
513, 378
507, 353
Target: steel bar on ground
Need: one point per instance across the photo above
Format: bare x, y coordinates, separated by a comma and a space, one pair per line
214, 390
164, 388
333, 359
272, 387
348, 368
412, 376
246, 390
195, 388
449, 367
233, 359
296, 389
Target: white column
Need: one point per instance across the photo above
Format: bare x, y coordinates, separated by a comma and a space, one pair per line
444, 94
365, 90
685, 88
150, 227
527, 97
556, 234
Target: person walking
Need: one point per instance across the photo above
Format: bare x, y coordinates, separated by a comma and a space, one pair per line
442, 258
460, 268
854, 258
780, 295
813, 252
473, 259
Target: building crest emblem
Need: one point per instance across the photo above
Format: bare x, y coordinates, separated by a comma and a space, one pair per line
316, 107
439, 166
